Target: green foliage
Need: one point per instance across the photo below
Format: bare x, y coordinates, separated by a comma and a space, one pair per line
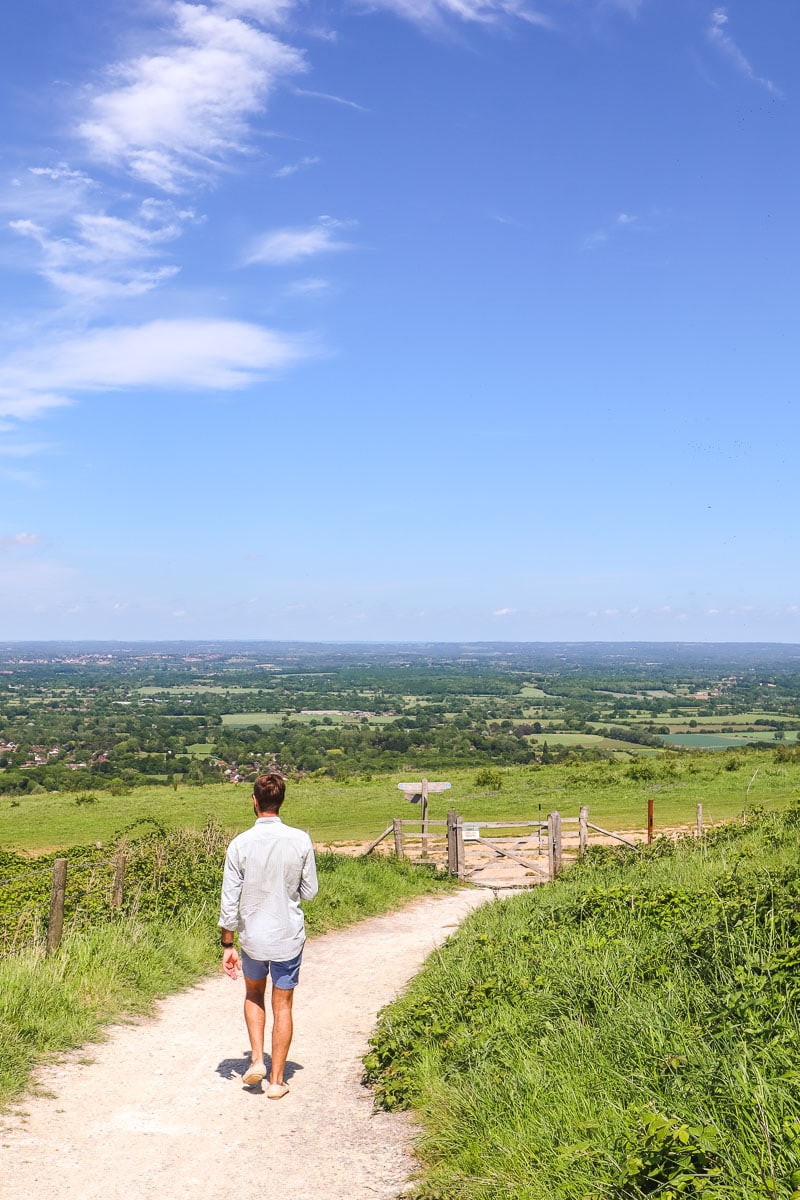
628, 1032
489, 779
663, 1156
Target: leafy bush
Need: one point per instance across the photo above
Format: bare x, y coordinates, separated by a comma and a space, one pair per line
489, 779
628, 1032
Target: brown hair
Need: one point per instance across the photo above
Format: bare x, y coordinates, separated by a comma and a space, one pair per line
268, 792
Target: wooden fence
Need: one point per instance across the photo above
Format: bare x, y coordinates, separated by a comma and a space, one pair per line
58, 891
446, 841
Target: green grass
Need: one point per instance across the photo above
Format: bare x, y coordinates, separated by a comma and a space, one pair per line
724, 741
554, 738
166, 938
629, 1032
616, 793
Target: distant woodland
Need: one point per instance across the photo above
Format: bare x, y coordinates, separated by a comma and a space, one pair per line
112, 717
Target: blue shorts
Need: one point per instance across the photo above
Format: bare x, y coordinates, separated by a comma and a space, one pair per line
283, 974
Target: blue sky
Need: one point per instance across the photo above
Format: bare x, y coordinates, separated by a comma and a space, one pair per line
412, 319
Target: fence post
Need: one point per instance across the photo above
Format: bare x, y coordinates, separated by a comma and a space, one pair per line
452, 845
650, 820
583, 830
118, 885
424, 804
397, 827
699, 820
460, 864
554, 843
55, 923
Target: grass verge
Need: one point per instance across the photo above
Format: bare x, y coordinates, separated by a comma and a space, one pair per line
115, 965
628, 1032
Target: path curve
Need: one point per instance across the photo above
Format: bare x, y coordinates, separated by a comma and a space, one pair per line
158, 1110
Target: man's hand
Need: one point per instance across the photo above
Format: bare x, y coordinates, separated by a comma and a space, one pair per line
230, 961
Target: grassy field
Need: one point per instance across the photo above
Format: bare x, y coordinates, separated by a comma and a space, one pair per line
722, 741
616, 793
554, 738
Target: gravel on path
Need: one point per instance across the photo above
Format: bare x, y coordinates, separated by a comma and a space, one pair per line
158, 1110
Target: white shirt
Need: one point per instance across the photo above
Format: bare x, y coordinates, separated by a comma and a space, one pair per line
268, 870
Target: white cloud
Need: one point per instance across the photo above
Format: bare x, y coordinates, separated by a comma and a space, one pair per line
98, 255
309, 160
11, 540
170, 354
502, 612
431, 13
290, 245
313, 286
720, 38
267, 12
172, 117
328, 96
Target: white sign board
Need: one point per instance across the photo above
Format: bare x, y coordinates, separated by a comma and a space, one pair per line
471, 831
416, 788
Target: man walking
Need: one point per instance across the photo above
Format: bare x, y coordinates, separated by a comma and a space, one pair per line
269, 869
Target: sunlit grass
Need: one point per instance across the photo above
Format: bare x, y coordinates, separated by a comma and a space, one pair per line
355, 809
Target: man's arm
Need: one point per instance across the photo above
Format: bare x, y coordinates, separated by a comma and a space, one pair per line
308, 880
232, 880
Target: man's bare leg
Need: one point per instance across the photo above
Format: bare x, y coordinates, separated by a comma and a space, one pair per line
255, 1016
282, 1028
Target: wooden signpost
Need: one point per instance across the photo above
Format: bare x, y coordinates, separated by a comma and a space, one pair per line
418, 793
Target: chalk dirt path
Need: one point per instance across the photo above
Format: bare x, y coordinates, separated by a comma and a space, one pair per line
158, 1110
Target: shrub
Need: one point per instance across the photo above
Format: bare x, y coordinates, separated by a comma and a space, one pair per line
489, 779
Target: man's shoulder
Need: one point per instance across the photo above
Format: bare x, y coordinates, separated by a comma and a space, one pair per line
241, 839
298, 835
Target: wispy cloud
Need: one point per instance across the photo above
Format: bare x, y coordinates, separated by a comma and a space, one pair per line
174, 116
266, 12
313, 286
309, 160
327, 96
10, 541
622, 222
433, 13
292, 245
502, 612
170, 118
196, 354
719, 37
95, 255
